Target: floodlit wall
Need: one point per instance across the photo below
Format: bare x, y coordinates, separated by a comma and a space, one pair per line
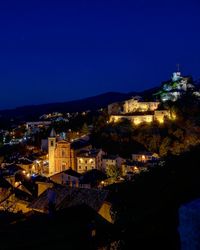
133, 105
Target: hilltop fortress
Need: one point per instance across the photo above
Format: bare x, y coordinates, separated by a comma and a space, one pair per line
137, 111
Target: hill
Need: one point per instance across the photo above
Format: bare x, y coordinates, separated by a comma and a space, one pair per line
91, 103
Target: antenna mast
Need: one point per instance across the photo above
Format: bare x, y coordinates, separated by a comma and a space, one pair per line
178, 67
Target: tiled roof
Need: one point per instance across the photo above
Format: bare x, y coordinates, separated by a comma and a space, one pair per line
11, 169
68, 172
72, 173
53, 133
89, 154
4, 183
69, 197
143, 153
24, 161
80, 144
131, 163
110, 157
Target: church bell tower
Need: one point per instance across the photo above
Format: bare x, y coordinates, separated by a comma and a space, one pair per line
51, 151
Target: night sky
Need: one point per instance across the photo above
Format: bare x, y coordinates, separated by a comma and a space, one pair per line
63, 50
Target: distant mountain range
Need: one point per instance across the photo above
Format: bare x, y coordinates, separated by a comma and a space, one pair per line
93, 103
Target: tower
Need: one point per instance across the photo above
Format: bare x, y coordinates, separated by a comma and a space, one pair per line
51, 151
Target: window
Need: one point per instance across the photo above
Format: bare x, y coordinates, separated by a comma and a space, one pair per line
63, 153
52, 143
63, 166
86, 161
85, 167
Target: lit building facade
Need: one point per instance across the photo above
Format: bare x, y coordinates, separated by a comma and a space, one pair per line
133, 105
137, 112
59, 154
135, 119
144, 157
62, 154
108, 161
158, 115
89, 160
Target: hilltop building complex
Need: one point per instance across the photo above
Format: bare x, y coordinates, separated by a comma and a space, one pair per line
172, 90
137, 111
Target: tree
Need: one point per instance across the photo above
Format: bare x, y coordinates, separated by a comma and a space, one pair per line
112, 171
154, 143
85, 129
164, 147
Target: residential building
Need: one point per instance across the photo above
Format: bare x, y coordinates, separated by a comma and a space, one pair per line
144, 157
130, 168
64, 198
68, 177
38, 124
78, 146
88, 160
26, 164
111, 160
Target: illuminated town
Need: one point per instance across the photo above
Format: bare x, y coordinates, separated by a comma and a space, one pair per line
99, 125
44, 162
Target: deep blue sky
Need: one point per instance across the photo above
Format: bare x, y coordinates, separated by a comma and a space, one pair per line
57, 50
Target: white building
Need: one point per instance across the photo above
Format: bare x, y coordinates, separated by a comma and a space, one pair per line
68, 178
144, 157
88, 160
115, 161
133, 105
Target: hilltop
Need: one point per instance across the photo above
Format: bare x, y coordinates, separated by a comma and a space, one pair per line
168, 90
93, 103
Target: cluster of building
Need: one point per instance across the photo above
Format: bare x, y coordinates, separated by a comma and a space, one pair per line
137, 111
22, 192
51, 116
62, 154
178, 85
69, 175
22, 133
72, 170
81, 158
37, 125
65, 117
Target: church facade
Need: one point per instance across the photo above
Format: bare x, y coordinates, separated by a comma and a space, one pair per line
59, 152
62, 153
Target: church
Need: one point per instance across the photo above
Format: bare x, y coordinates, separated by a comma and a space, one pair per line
59, 154
62, 153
